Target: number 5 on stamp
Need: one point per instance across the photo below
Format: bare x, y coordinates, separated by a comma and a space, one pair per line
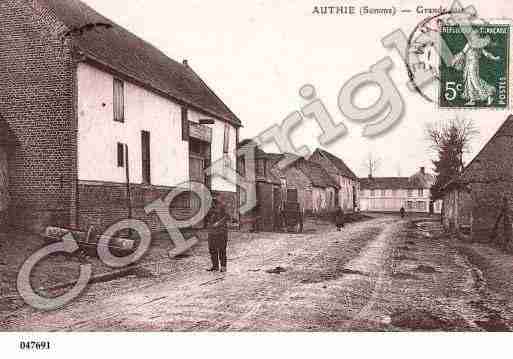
477, 75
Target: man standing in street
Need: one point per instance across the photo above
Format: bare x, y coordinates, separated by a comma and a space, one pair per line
339, 219
217, 223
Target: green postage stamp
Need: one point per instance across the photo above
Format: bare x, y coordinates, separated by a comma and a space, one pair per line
475, 71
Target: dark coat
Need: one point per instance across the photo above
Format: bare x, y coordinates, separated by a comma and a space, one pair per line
217, 222
340, 217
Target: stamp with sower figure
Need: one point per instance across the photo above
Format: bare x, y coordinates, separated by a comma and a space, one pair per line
476, 72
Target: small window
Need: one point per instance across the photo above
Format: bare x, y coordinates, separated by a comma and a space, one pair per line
410, 193
421, 192
121, 155
145, 154
119, 101
372, 193
260, 168
242, 166
185, 123
226, 142
384, 192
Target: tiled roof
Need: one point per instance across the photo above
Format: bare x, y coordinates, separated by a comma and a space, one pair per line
317, 175
492, 166
384, 183
418, 180
104, 42
342, 168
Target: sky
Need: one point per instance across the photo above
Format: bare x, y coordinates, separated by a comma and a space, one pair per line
256, 55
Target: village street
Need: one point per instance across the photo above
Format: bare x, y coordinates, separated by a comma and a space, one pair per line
380, 274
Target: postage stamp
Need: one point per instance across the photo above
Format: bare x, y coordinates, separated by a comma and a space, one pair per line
477, 74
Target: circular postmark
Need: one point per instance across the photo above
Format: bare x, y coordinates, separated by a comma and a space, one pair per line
423, 55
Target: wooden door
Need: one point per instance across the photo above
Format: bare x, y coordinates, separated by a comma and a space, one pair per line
196, 166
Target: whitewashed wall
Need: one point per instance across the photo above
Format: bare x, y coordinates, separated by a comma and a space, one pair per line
98, 134
392, 201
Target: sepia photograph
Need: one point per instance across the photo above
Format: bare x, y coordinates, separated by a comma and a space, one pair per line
295, 176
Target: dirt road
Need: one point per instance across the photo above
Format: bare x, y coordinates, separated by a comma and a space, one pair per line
380, 274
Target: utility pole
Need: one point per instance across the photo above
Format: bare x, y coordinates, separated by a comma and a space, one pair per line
128, 192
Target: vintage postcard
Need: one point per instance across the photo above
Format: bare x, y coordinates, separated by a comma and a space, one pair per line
304, 169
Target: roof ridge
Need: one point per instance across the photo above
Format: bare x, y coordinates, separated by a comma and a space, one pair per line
123, 52
328, 154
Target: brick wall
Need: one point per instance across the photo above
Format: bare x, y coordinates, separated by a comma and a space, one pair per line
36, 101
103, 204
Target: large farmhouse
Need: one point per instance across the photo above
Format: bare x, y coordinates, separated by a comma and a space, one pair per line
389, 194
82, 99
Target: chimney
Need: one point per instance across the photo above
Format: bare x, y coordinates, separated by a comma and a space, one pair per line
185, 62
370, 176
423, 170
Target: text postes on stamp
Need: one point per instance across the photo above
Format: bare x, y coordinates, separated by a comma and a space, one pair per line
476, 71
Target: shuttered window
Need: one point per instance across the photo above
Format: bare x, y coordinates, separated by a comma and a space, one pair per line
119, 101
121, 155
185, 124
145, 154
226, 142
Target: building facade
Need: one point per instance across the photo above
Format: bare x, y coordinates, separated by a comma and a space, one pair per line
278, 178
101, 122
390, 194
310, 185
347, 181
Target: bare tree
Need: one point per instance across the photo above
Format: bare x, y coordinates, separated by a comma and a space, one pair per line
450, 140
371, 163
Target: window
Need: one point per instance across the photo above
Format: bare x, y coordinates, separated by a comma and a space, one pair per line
119, 101
121, 155
383, 192
372, 193
394, 192
421, 192
145, 154
242, 166
260, 168
226, 142
185, 124
421, 206
410, 193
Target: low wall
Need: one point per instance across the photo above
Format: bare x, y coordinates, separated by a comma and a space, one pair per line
103, 204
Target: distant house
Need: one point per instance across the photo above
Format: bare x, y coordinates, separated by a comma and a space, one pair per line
345, 178
479, 198
309, 184
389, 194
79, 95
299, 180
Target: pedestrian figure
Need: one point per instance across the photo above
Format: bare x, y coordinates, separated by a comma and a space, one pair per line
402, 211
339, 219
217, 235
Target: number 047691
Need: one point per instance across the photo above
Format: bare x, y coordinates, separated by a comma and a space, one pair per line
34, 345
